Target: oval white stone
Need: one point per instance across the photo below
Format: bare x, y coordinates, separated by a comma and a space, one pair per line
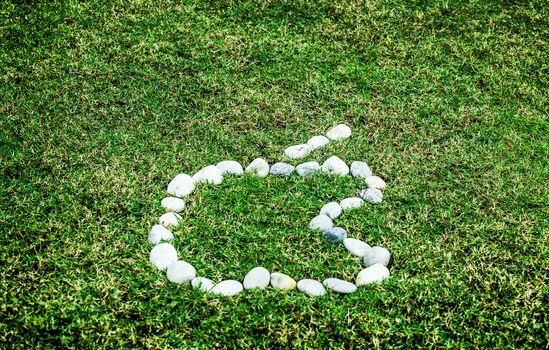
308, 168
351, 203
334, 165
170, 219
159, 233
258, 277
227, 288
360, 169
298, 151
317, 142
181, 186
321, 223
371, 195
311, 287
180, 272
282, 281
162, 255
281, 169
375, 182
339, 132
373, 274
173, 204
210, 174
258, 167
332, 209
339, 286
202, 283
377, 255
356, 246
230, 167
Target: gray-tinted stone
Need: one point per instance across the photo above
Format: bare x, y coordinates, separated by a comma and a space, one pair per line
332, 209
281, 169
335, 234
308, 168
360, 169
371, 195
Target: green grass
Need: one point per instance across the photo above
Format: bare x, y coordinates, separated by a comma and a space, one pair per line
103, 102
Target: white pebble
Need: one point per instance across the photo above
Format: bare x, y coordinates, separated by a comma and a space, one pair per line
334, 165
356, 246
375, 182
360, 170
227, 288
170, 219
311, 287
230, 167
377, 255
162, 255
332, 209
371, 195
202, 283
351, 203
339, 132
339, 286
180, 272
321, 223
258, 167
258, 277
173, 204
210, 174
159, 233
373, 274
281, 169
308, 168
181, 186
317, 142
298, 151
282, 281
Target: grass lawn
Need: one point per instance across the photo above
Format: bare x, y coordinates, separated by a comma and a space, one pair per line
102, 103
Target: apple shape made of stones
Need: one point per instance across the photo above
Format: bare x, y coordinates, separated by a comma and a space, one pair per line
164, 256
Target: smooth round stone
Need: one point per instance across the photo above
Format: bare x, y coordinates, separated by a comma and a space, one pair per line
210, 174
321, 223
375, 182
298, 151
335, 234
230, 167
339, 132
334, 165
162, 255
371, 195
377, 255
356, 246
282, 281
180, 272
308, 168
332, 209
311, 287
258, 167
317, 142
159, 233
351, 203
373, 274
227, 288
339, 286
258, 277
173, 204
202, 283
170, 219
281, 169
181, 186
360, 169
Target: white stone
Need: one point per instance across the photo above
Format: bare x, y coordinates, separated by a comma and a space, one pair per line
298, 151
308, 168
339, 132
210, 174
202, 283
339, 286
159, 233
332, 209
282, 281
227, 288
230, 167
360, 169
351, 203
173, 204
258, 277
311, 287
162, 255
317, 142
321, 223
281, 169
180, 272
371, 195
181, 186
334, 165
375, 182
373, 274
356, 246
377, 255
170, 219
258, 167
